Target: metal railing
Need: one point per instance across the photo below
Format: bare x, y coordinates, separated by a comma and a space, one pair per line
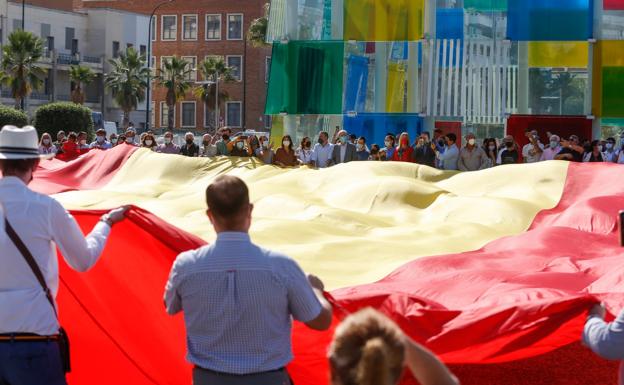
64, 58
92, 59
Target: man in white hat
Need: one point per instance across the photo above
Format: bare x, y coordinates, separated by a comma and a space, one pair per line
34, 225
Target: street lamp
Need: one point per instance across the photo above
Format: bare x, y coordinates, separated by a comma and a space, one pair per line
149, 64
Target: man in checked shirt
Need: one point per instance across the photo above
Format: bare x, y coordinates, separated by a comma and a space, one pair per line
239, 299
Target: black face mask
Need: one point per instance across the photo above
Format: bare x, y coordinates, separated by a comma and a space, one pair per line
307, 145
321, 141
225, 137
509, 145
206, 143
189, 141
441, 143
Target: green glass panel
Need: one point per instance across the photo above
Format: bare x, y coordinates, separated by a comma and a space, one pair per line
612, 95
486, 5
306, 78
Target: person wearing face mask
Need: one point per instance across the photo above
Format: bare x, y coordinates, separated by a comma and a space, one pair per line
361, 152
423, 154
610, 153
148, 141
208, 149
491, 150
70, 148
223, 145
571, 150
404, 152
240, 147
265, 151
344, 152
100, 141
595, 155
285, 155
322, 151
46, 147
304, 153
449, 158
509, 153
130, 134
189, 149
83, 147
168, 147
113, 139
554, 147
532, 152
390, 146
374, 153
60, 140
471, 156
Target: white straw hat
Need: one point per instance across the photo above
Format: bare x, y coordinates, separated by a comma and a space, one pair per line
20, 143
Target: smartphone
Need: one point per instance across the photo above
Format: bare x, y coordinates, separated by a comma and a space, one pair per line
622, 228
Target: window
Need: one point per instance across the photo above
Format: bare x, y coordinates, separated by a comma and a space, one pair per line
233, 114
164, 115
152, 114
267, 69
188, 114
213, 27
154, 28
192, 60
189, 27
153, 67
236, 62
235, 27
70, 34
169, 27
142, 50
115, 49
268, 121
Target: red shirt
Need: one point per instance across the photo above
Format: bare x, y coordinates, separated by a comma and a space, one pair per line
403, 155
70, 151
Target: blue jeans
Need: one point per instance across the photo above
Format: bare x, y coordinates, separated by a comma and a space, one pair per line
31, 363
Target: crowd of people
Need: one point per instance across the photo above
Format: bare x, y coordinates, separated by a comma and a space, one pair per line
441, 151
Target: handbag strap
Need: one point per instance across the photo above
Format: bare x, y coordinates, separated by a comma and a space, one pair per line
30, 260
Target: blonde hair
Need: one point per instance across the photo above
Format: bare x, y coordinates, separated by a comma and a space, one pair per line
368, 349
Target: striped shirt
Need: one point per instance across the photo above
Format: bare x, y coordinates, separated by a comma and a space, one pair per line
238, 301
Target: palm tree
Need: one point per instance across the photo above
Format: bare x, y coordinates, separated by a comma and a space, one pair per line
215, 70
257, 32
127, 81
20, 71
80, 75
174, 77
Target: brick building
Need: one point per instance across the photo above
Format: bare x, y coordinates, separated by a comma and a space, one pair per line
196, 30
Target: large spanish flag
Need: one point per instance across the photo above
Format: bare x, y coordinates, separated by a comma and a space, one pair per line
493, 270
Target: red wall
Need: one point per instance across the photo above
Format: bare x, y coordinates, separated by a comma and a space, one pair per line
563, 126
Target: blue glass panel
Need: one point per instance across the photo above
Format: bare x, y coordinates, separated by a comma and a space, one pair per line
356, 85
550, 20
450, 23
374, 127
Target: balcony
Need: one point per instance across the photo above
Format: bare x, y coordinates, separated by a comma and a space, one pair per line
67, 59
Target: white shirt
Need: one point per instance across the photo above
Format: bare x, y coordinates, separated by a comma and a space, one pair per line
530, 155
208, 151
322, 154
343, 152
42, 224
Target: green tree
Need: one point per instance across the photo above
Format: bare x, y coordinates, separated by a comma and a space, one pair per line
81, 76
174, 77
20, 71
127, 81
214, 70
257, 32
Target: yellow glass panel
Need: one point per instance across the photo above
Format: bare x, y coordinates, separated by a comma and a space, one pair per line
611, 53
558, 54
383, 20
395, 99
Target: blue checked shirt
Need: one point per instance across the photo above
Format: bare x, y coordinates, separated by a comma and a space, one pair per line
238, 300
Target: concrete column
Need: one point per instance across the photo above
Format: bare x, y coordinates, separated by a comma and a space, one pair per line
523, 77
591, 87
337, 19
381, 76
428, 50
292, 19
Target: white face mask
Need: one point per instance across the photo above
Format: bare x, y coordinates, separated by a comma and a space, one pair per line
472, 142
83, 142
286, 143
129, 140
46, 142
148, 143
114, 140
360, 147
388, 143
167, 140
100, 139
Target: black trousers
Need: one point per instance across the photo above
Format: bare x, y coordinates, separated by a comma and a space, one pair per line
208, 377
